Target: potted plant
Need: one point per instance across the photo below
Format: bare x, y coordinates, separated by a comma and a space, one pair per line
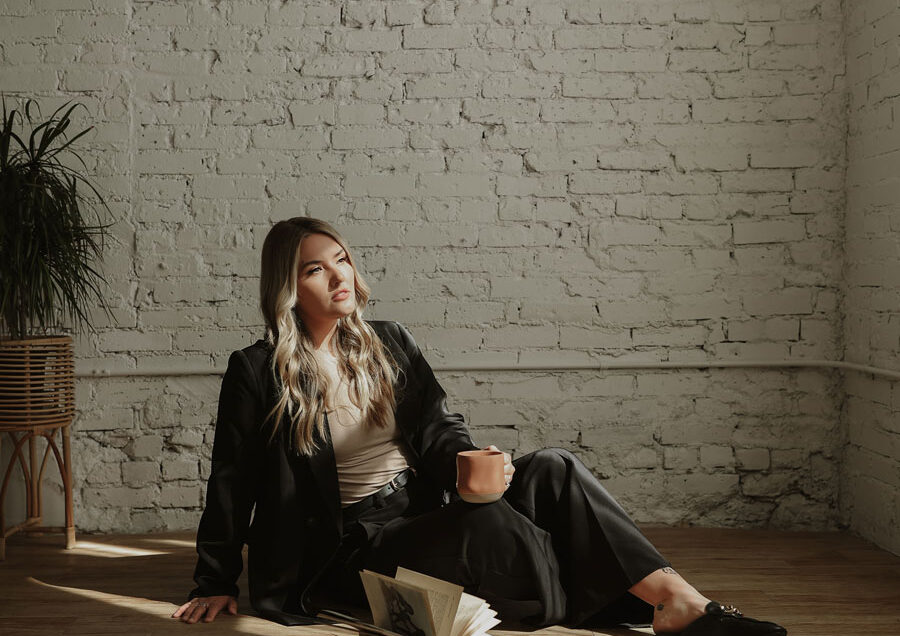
51, 233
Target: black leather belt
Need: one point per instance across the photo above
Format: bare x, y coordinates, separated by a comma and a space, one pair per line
354, 510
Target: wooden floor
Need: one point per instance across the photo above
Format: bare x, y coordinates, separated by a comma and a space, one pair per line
815, 584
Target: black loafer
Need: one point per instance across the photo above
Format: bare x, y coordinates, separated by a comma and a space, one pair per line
722, 620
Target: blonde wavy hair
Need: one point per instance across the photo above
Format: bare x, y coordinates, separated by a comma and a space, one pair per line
304, 389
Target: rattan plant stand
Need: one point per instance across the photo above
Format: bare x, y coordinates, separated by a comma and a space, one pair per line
37, 400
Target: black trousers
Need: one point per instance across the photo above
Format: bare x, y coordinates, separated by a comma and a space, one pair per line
556, 549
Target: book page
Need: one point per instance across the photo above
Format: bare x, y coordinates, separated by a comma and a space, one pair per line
475, 616
443, 597
483, 621
398, 606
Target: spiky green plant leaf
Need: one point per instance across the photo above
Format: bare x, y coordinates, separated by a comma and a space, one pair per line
50, 233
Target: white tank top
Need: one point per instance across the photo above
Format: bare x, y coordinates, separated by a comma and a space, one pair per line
367, 457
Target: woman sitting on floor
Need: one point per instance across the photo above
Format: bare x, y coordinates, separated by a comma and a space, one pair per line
333, 435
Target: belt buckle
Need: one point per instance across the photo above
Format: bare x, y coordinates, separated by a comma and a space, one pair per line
394, 483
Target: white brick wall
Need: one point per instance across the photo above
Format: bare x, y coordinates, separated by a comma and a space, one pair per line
575, 180
870, 478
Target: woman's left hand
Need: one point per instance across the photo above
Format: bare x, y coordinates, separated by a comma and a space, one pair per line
508, 468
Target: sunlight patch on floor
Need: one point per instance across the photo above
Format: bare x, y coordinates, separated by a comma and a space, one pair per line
177, 543
109, 550
130, 602
241, 623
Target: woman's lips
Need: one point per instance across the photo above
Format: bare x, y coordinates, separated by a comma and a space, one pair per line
341, 295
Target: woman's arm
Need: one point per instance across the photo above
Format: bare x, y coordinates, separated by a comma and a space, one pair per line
230, 491
439, 434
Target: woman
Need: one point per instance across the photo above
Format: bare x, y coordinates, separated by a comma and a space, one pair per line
335, 451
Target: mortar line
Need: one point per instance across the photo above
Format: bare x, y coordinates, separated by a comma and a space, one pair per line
570, 366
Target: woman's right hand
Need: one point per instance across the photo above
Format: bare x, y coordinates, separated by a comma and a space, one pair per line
210, 606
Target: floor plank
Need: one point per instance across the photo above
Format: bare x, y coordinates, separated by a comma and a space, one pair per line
816, 584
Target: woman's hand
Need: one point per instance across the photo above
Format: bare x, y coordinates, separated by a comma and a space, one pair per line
210, 606
508, 468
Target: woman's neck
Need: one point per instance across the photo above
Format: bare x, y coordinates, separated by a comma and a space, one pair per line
321, 335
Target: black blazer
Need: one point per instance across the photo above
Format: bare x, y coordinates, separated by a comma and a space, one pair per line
296, 523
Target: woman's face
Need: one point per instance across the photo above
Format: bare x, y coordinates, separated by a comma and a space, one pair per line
325, 287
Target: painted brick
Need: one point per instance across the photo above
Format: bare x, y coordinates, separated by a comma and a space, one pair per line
787, 301
179, 496
148, 446
362, 137
774, 231
679, 458
712, 457
380, 185
107, 418
752, 458
334, 66
138, 473
402, 13
133, 341
437, 38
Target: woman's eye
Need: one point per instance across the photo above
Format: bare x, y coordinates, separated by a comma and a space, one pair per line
317, 268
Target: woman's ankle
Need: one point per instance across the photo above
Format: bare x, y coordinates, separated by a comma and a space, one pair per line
674, 613
661, 585
676, 603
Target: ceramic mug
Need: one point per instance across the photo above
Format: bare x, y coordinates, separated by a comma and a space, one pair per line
479, 475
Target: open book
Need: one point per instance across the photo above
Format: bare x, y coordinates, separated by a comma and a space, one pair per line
414, 604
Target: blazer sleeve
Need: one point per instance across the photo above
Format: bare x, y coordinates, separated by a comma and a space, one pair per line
440, 434
230, 492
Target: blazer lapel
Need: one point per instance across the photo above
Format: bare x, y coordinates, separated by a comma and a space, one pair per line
324, 470
322, 464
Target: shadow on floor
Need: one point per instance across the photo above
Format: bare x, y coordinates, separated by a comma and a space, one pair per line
129, 584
